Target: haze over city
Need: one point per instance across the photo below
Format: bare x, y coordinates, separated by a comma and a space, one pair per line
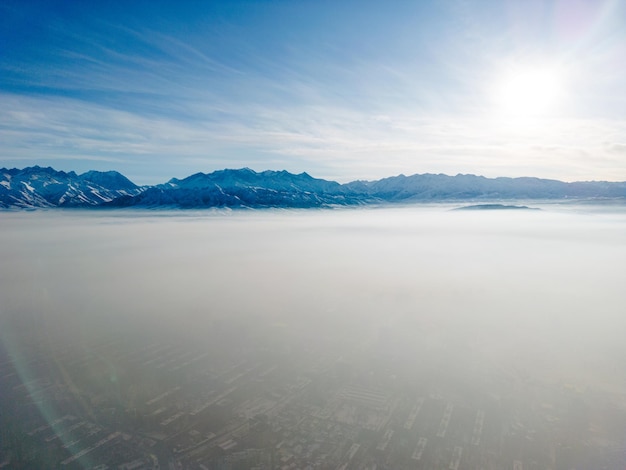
408, 337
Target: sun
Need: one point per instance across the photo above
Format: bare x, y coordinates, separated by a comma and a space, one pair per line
528, 91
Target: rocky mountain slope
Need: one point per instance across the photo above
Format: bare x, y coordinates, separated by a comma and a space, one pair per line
35, 187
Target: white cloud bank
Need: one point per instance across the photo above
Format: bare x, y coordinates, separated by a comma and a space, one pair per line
541, 291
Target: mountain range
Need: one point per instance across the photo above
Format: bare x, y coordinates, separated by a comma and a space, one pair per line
37, 187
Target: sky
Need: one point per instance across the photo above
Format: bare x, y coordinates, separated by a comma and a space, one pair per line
342, 90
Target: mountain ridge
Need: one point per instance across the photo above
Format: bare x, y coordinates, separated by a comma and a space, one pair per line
39, 187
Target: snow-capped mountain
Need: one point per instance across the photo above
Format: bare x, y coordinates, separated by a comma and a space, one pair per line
45, 187
35, 187
430, 187
245, 188
247, 178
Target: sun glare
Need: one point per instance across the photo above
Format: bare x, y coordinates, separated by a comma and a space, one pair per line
528, 92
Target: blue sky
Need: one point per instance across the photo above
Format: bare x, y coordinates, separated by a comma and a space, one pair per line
341, 89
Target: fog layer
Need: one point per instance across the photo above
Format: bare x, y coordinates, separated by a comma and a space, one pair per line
543, 292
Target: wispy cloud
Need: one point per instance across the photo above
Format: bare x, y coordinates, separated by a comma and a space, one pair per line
331, 142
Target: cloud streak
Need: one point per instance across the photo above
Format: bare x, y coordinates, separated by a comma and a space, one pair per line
331, 142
